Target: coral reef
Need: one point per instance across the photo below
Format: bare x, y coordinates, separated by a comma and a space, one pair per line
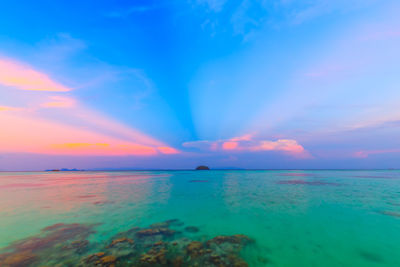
160, 244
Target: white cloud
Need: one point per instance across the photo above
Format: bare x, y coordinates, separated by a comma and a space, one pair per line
247, 143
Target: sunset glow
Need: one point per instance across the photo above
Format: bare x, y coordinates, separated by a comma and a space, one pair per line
244, 133
247, 84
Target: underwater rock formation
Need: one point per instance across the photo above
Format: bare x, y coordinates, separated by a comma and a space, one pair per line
57, 243
18, 259
160, 244
117, 241
155, 231
195, 248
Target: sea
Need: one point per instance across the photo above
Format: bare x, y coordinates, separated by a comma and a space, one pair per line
200, 218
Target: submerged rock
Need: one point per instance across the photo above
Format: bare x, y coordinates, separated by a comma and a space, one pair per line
155, 231
175, 222
234, 239
79, 246
120, 240
177, 262
100, 260
167, 224
194, 249
57, 244
54, 227
107, 260
215, 258
157, 245
154, 256
93, 258
191, 229
19, 259
390, 213
122, 247
159, 225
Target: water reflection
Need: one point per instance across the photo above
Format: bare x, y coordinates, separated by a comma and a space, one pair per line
298, 213
44, 198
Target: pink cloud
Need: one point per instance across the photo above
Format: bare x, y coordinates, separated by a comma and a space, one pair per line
367, 153
167, 150
27, 133
24, 77
287, 145
248, 143
229, 145
59, 102
77, 131
246, 137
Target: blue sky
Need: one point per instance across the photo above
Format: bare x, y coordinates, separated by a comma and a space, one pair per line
173, 84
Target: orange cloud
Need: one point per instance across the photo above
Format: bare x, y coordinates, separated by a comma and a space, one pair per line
59, 102
6, 108
77, 131
80, 145
117, 149
247, 143
25, 133
23, 77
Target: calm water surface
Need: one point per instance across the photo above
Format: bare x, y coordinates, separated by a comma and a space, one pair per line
296, 218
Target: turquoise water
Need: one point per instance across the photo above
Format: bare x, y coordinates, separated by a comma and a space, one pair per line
294, 218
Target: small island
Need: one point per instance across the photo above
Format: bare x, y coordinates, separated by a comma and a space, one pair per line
202, 168
64, 170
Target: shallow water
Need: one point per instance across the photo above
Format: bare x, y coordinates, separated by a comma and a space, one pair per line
296, 218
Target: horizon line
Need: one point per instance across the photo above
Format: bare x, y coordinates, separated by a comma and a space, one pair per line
216, 169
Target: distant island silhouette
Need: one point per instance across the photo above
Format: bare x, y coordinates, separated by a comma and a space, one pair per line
202, 168
63, 170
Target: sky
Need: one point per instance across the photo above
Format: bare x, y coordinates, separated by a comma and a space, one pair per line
263, 84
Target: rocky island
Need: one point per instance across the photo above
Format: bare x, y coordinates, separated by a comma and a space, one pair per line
202, 168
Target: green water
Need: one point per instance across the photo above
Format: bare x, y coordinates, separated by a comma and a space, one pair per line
296, 218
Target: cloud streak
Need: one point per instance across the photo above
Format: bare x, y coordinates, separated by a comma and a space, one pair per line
20, 76
59, 102
57, 138
36, 127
